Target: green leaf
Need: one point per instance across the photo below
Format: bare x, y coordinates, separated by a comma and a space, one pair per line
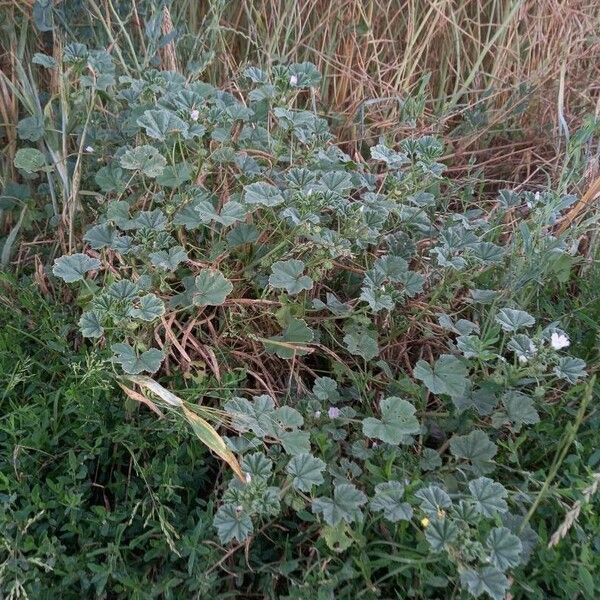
513, 320
303, 75
505, 548
211, 288
146, 159
288, 275
476, 447
391, 158
306, 471
133, 363
257, 416
168, 260
520, 409
362, 342
245, 233
73, 267
149, 308
397, 421
44, 61
345, 505
124, 289
31, 128
337, 538
263, 194
158, 124
101, 236
292, 342
387, 499
295, 442
257, 465
393, 268
489, 580
90, 325
29, 160
174, 175
489, 496
232, 523
448, 375
434, 501
440, 533
325, 388
570, 369
110, 179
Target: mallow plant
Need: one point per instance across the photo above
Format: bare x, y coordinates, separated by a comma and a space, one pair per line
378, 309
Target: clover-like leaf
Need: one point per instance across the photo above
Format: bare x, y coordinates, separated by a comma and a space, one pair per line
29, 160
90, 324
73, 267
505, 548
257, 416
232, 523
440, 533
570, 369
306, 471
263, 194
303, 75
434, 501
388, 499
448, 375
211, 288
397, 421
148, 308
288, 275
489, 496
295, 442
44, 60
168, 260
146, 159
488, 580
134, 363
512, 319
344, 506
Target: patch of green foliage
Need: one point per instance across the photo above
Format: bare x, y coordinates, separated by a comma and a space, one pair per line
410, 363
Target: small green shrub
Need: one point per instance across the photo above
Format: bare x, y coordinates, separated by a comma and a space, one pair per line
381, 309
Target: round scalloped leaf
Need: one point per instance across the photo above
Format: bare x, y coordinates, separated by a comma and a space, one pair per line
90, 325
505, 548
29, 160
146, 159
448, 375
388, 499
344, 506
489, 496
261, 193
211, 288
133, 363
397, 421
287, 274
306, 471
512, 319
73, 267
149, 308
232, 524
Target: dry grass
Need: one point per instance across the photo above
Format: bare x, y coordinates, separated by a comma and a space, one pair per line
531, 66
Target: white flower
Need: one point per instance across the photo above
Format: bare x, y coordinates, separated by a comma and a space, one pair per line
522, 359
559, 341
88, 149
195, 115
333, 412
248, 478
294, 80
317, 414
